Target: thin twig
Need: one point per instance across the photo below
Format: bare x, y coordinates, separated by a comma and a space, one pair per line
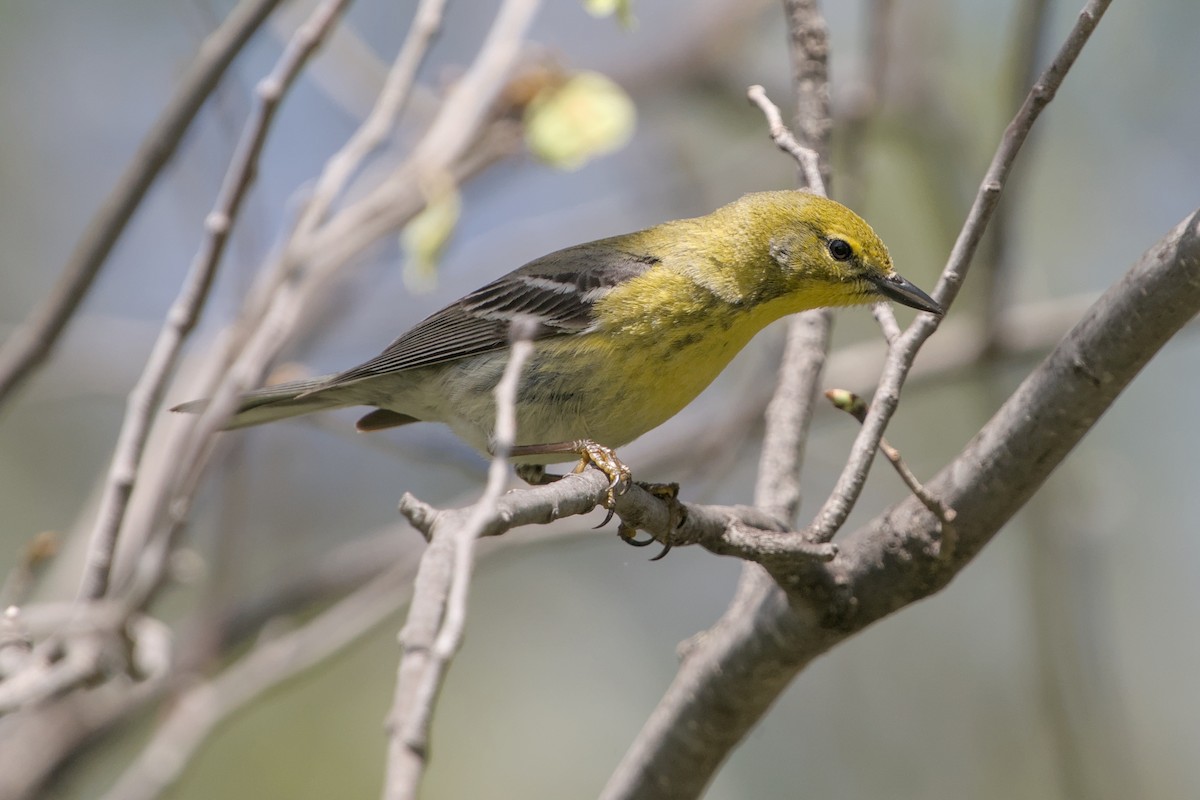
856, 407
807, 158
427, 22
450, 136
31, 343
146, 396
164, 491
437, 617
1026, 331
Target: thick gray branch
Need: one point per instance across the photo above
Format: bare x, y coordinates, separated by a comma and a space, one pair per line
766, 637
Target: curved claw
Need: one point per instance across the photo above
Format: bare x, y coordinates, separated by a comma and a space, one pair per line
607, 517
666, 549
629, 537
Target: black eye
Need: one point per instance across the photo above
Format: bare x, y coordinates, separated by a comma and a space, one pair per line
840, 249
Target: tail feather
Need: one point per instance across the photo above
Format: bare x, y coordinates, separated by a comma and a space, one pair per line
275, 402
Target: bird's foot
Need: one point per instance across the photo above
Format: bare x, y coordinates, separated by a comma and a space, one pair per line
677, 515
605, 459
601, 457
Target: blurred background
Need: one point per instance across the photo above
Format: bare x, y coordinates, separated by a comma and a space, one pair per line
1061, 664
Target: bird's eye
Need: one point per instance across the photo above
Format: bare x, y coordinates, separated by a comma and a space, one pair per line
840, 249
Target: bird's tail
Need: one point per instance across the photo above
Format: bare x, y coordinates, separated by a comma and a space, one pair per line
274, 402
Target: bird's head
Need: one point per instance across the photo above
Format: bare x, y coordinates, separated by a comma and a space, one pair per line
827, 254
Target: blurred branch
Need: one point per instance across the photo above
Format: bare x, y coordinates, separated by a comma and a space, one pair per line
453, 133
34, 340
37, 737
427, 21
995, 265
866, 98
63, 725
109, 646
1072, 615
808, 38
195, 714
1049, 570
1025, 330
146, 397
80, 646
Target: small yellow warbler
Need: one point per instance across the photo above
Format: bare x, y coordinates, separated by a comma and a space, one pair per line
628, 329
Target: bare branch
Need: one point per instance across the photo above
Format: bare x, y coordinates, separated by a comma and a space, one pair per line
856, 407
83, 645
807, 158
447, 141
866, 99
788, 418
789, 414
273, 311
427, 21
35, 339
1038, 425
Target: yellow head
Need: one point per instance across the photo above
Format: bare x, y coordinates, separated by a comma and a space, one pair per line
803, 249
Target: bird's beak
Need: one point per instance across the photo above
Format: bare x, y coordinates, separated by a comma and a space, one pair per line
893, 287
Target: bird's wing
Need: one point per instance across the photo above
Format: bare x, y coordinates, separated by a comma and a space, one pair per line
558, 291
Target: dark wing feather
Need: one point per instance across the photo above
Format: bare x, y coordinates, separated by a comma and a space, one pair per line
558, 290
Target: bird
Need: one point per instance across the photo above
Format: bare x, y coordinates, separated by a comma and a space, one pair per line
625, 331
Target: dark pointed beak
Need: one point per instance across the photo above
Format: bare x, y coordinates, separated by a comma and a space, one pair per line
893, 287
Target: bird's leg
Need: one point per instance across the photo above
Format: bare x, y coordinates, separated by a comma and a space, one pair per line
589, 452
